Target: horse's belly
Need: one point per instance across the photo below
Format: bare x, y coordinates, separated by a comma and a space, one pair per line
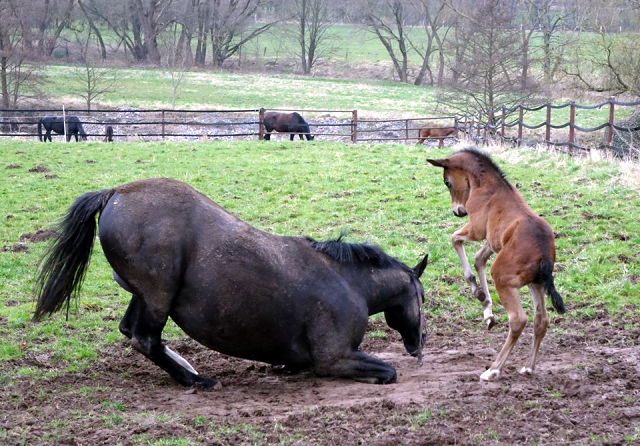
254, 337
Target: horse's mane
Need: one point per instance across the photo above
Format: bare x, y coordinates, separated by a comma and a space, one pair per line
485, 161
357, 253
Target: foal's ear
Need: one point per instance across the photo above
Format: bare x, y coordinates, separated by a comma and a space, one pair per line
439, 163
419, 268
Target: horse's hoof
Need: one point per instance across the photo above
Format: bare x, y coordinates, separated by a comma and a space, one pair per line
526, 371
207, 383
490, 375
479, 294
491, 322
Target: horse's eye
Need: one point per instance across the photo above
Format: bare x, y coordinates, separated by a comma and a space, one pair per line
447, 183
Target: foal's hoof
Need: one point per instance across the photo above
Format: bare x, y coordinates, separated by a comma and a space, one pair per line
479, 294
526, 371
491, 322
490, 375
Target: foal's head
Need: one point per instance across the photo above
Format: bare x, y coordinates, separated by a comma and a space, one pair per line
465, 170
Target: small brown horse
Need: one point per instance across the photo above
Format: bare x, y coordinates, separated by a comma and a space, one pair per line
292, 123
524, 242
435, 132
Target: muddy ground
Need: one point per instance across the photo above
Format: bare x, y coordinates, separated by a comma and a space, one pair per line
586, 391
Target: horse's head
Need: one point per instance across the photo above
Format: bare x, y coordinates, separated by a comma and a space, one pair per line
406, 317
457, 181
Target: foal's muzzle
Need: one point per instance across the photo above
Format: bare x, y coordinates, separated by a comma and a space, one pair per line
460, 212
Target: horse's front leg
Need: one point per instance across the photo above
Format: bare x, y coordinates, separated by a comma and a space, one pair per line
480, 265
358, 366
458, 238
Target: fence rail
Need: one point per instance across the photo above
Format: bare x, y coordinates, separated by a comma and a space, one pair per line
500, 124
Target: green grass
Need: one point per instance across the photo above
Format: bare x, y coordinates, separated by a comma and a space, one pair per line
383, 194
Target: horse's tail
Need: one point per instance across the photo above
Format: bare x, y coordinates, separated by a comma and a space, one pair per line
83, 134
546, 278
40, 129
66, 261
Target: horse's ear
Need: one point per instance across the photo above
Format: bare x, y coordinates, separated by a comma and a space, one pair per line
419, 268
439, 163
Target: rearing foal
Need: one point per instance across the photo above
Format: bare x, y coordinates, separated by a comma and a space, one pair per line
524, 242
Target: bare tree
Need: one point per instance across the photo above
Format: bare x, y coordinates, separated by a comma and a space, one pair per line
489, 71
433, 14
175, 63
312, 23
20, 78
386, 19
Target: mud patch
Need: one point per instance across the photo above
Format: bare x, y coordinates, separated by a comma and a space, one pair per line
13, 166
39, 169
17, 247
40, 235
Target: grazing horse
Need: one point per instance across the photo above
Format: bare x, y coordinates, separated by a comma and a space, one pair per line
292, 123
108, 134
288, 301
435, 132
57, 124
524, 242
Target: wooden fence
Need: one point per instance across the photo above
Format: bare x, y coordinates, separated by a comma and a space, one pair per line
484, 126
163, 124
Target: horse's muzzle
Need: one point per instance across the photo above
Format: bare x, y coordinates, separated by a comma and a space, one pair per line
461, 212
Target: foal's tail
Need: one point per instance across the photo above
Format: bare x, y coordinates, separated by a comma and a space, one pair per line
40, 129
66, 261
546, 277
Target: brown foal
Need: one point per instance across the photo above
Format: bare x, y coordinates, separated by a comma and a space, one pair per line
435, 132
524, 242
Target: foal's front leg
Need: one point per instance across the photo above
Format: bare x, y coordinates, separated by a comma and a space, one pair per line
482, 294
481, 265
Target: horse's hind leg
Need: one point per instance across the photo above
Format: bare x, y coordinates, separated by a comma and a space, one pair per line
480, 265
143, 325
359, 366
540, 324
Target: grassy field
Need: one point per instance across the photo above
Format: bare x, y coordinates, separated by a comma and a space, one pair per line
383, 194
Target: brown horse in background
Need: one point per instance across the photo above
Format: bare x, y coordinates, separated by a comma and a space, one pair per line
435, 132
292, 123
524, 242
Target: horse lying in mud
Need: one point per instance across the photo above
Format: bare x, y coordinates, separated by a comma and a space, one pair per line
288, 301
56, 124
292, 123
435, 132
524, 242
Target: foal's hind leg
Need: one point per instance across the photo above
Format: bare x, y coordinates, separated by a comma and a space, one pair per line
507, 284
540, 324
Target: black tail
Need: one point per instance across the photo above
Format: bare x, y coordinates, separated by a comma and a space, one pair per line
40, 129
546, 277
83, 134
66, 261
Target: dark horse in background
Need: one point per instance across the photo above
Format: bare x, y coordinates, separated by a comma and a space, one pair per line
56, 124
292, 123
288, 301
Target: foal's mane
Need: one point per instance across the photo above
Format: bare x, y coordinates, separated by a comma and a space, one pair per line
485, 163
357, 253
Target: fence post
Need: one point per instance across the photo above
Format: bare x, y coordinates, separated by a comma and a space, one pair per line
611, 116
163, 124
406, 129
547, 133
478, 126
64, 124
456, 125
572, 121
504, 118
354, 126
520, 122
261, 124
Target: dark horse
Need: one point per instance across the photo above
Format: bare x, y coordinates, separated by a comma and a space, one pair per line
292, 123
288, 301
56, 124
